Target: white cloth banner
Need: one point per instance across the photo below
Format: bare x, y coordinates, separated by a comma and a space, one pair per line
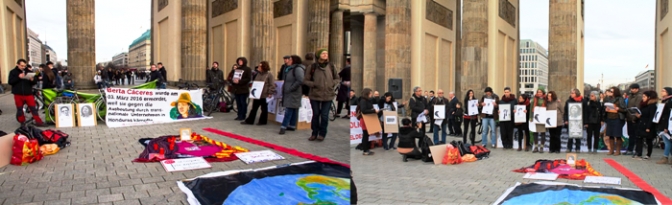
355, 128
473, 107
131, 107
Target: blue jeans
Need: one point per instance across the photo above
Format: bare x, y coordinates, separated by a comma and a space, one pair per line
489, 125
290, 119
668, 147
241, 103
320, 119
161, 85
391, 144
436, 133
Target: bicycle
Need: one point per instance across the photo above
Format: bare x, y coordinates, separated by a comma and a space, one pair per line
186, 85
101, 105
212, 99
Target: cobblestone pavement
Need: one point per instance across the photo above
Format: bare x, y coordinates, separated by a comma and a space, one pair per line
384, 179
97, 167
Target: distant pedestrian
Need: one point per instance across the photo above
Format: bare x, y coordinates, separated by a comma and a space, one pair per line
156, 75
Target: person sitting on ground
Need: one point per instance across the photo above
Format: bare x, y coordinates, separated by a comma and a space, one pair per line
407, 135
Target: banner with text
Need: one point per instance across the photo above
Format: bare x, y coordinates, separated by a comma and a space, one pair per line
129, 107
356, 130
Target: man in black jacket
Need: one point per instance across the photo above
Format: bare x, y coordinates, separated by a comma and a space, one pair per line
417, 105
156, 75
439, 100
214, 76
164, 75
22, 89
452, 106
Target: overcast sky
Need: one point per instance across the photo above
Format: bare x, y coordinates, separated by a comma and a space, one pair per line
619, 36
118, 23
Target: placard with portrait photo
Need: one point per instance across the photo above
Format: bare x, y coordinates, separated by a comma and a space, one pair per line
65, 115
86, 115
575, 111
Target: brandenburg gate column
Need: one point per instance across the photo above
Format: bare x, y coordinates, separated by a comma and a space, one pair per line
357, 55
336, 40
194, 36
565, 43
262, 32
81, 30
370, 33
397, 44
318, 26
474, 47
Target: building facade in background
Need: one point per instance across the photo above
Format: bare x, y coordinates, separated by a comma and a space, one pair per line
34, 49
533, 67
139, 52
49, 54
120, 60
13, 35
646, 80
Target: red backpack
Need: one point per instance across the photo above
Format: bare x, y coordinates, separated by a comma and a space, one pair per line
480, 152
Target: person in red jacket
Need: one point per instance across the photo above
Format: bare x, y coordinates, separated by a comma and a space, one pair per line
22, 89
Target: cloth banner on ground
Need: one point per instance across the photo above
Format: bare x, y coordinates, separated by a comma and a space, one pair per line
356, 130
129, 107
564, 193
561, 168
167, 147
299, 183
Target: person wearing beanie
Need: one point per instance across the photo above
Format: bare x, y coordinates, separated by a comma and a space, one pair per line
321, 78
663, 123
574, 97
538, 100
592, 120
633, 100
489, 120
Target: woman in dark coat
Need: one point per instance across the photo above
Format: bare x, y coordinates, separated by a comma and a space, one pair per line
666, 96
646, 129
592, 120
615, 119
469, 120
407, 136
387, 104
291, 93
524, 128
343, 97
364, 107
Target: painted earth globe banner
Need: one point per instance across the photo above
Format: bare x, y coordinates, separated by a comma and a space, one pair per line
300, 183
561, 193
129, 107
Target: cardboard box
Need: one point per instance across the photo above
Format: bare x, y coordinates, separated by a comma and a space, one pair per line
6, 143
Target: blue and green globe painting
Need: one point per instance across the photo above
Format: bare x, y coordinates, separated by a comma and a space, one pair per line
567, 197
298, 189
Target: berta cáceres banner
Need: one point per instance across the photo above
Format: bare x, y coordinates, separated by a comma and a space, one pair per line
128, 107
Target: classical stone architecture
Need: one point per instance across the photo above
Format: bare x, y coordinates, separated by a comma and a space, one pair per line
13, 35
663, 45
256, 29
139, 53
81, 42
565, 46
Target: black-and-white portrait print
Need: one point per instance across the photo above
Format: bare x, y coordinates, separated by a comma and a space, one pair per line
86, 111
575, 111
64, 111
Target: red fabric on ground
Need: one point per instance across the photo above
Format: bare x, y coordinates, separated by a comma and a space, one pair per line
638, 181
276, 147
208, 159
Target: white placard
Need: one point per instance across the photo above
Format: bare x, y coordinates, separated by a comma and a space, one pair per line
303, 116
489, 107
575, 111
505, 113
438, 122
520, 114
86, 115
272, 105
391, 120
280, 111
473, 107
258, 156
625, 130
551, 119
669, 125
421, 118
541, 176
256, 89
307, 109
278, 89
539, 115
396, 106
659, 112
439, 112
65, 115
602, 180
355, 129
575, 129
609, 105
176, 165
238, 74
375, 106
532, 126
131, 107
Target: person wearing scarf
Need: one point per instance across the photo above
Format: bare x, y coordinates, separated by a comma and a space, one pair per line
592, 121
506, 127
539, 100
321, 78
574, 97
553, 103
663, 123
524, 128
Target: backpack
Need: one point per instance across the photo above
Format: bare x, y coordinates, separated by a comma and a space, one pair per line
57, 137
425, 143
463, 148
480, 152
305, 89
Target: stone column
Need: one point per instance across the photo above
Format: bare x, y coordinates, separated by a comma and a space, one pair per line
262, 32
562, 49
458, 49
474, 66
370, 29
318, 25
398, 44
357, 55
81, 30
336, 40
194, 40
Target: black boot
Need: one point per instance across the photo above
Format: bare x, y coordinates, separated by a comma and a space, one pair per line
405, 158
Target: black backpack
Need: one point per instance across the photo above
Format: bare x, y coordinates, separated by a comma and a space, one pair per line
425, 143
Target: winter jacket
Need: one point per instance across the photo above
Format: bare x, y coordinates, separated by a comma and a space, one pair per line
560, 108
164, 74
452, 106
321, 80
49, 84
20, 86
633, 101
215, 77
365, 107
242, 87
509, 102
354, 101
494, 111
156, 75
291, 88
620, 103
407, 136
592, 112
439, 101
269, 84
646, 119
417, 105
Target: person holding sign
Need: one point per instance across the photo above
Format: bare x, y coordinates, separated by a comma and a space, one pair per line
553, 103
439, 101
388, 104
633, 100
506, 126
22, 89
615, 119
646, 129
489, 119
592, 120
268, 90
365, 106
523, 128
574, 97
539, 100
470, 117
240, 78
664, 123
417, 105
291, 93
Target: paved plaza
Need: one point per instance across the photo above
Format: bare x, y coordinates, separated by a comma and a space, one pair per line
98, 169
384, 179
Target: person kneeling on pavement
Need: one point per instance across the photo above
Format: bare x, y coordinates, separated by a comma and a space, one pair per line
407, 135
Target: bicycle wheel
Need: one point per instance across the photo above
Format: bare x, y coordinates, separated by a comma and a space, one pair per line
332, 112
208, 104
50, 112
101, 107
